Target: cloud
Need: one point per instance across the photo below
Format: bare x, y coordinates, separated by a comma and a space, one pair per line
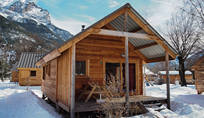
69, 24
113, 3
83, 7
161, 10
89, 18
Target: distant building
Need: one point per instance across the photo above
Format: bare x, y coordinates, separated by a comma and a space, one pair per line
174, 76
28, 73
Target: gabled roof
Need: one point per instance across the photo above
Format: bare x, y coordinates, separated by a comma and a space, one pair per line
155, 50
29, 59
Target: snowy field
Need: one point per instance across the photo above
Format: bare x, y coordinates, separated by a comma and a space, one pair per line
185, 102
25, 102
20, 102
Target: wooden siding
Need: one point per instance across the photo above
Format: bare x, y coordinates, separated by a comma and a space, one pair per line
26, 80
198, 69
98, 51
64, 78
14, 76
49, 83
199, 74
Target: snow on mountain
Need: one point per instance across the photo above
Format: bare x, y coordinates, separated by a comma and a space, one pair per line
21, 10
30, 10
4, 3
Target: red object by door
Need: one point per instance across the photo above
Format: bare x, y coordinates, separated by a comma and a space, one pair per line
132, 82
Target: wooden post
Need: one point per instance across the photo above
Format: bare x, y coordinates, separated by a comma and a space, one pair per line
126, 73
167, 81
126, 64
73, 82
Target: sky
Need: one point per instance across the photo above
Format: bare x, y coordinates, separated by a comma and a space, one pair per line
71, 14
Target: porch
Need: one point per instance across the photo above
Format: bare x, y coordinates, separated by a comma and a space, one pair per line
133, 100
95, 96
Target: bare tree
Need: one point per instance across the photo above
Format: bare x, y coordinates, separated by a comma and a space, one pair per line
195, 8
183, 33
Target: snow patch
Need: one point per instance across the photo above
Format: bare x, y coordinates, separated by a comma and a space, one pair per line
20, 102
185, 103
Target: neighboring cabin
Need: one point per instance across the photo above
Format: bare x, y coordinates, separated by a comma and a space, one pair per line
97, 54
28, 73
198, 68
174, 76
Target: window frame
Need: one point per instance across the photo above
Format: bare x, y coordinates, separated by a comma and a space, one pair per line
44, 72
47, 69
84, 74
31, 73
86, 67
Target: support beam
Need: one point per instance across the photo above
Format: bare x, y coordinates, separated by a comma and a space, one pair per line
121, 34
126, 65
72, 115
146, 46
126, 73
167, 81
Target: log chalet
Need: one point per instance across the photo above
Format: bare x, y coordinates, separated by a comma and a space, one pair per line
116, 46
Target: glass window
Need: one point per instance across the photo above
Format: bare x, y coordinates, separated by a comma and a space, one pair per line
33, 73
43, 73
80, 67
48, 69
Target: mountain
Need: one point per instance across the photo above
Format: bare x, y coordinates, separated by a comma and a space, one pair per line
25, 11
24, 26
19, 37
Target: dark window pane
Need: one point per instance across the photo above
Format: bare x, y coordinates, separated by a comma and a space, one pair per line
32, 73
80, 67
44, 73
48, 69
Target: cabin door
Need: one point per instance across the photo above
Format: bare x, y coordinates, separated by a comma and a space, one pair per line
132, 81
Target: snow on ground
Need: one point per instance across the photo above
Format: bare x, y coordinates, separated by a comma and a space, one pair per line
185, 102
17, 101
21, 102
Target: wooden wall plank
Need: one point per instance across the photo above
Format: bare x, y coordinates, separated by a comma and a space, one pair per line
26, 80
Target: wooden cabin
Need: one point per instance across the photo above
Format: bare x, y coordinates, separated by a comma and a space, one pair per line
28, 73
14, 73
198, 68
174, 76
116, 46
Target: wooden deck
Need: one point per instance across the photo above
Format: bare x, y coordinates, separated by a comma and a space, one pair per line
94, 106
